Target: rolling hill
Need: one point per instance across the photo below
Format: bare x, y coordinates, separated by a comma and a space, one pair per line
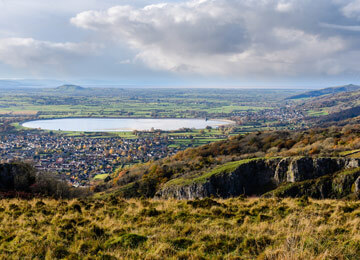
326, 91
253, 162
70, 88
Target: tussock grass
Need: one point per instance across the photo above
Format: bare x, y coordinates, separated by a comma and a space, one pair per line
237, 228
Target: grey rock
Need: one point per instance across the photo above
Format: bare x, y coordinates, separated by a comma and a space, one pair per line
357, 186
260, 176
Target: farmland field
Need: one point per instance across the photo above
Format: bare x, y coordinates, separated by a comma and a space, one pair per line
145, 103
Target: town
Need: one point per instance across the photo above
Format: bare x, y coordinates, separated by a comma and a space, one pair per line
81, 159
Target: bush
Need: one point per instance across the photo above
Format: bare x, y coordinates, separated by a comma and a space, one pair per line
25, 181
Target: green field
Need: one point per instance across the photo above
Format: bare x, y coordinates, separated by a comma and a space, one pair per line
176, 103
318, 113
250, 108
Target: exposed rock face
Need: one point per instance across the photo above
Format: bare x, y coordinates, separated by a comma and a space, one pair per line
254, 177
260, 176
357, 186
310, 168
281, 170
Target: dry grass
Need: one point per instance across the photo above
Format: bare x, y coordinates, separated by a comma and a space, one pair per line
201, 229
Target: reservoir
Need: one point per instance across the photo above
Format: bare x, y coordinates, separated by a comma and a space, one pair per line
121, 124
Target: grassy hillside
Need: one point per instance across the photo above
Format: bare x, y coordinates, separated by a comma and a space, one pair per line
145, 179
329, 104
198, 229
326, 91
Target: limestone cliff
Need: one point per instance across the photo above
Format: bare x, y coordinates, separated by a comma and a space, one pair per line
259, 176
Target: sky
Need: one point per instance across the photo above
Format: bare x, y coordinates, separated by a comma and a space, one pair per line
267, 43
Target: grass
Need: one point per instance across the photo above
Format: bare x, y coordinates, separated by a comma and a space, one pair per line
101, 176
235, 228
317, 113
190, 103
222, 169
351, 152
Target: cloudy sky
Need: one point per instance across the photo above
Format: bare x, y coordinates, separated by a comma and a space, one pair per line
195, 42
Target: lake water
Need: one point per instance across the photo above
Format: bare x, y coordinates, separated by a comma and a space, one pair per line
120, 124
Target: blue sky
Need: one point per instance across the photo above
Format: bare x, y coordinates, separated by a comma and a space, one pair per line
182, 43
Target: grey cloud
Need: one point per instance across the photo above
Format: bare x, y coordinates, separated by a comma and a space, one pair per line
233, 37
353, 28
28, 52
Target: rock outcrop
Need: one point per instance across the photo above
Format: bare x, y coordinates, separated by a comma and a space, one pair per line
259, 176
357, 186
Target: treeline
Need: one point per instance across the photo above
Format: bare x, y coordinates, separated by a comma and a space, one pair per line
145, 179
23, 180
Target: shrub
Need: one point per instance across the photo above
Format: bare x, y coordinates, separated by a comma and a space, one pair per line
23, 180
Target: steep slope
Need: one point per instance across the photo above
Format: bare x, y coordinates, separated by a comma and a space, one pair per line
326, 91
343, 184
258, 176
195, 165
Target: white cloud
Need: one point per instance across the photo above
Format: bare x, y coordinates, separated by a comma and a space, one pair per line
352, 9
28, 52
227, 37
284, 6
239, 38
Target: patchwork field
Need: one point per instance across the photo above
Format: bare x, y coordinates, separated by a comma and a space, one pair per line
188, 103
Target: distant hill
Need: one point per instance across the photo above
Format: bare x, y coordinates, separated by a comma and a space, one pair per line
69, 88
326, 91
28, 83
9, 84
